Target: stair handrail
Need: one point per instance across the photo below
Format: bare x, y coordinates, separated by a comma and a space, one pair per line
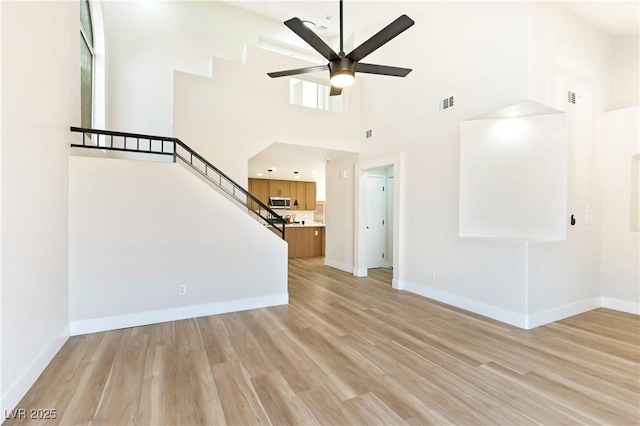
269, 216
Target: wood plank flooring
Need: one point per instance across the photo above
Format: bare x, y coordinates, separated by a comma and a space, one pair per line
347, 351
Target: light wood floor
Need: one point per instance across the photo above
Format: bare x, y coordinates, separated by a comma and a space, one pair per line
348, 351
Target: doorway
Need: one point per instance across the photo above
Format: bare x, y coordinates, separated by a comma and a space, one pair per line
378, 227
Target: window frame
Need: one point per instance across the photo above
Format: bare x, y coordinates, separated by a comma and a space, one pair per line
90, 45
323, 102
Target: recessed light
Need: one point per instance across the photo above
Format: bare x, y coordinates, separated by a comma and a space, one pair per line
315, 172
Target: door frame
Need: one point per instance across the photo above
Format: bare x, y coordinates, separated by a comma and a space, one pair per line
360, 236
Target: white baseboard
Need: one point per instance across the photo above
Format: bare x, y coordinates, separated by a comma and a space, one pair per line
337, 265
620, 305
561, 312
96, 325
360, 272
519, 320
18, 390
474, 306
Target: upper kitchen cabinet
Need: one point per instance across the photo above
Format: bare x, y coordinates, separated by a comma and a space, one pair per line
280, 188
302, 192
310, 195
259, 188
304, 195
297, 195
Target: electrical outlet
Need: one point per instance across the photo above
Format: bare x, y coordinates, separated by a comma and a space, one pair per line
433, 275
182, 290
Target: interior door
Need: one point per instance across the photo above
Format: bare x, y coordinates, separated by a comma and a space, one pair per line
376, 227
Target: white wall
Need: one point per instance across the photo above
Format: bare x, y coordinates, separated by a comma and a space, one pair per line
2, 406
240, 111
339, 215
566, 53
40, 100
513, 178
625, 72
140, 229
620, 273
147, 41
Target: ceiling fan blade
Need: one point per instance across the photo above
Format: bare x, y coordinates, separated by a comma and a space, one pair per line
296, 25
335, 91
298, 71
383, 36
382, 70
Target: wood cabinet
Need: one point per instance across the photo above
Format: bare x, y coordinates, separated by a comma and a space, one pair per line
260, 189
297, 195
310, 195
303, 192
280, 188
305, 241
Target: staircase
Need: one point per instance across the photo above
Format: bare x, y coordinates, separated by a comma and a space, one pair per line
106, 140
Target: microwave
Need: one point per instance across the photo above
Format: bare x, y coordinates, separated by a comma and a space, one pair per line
280, 202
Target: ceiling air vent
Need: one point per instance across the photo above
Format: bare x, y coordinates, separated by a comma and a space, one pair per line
446, 103
572, 98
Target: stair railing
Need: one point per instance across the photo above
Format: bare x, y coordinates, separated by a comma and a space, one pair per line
162, 145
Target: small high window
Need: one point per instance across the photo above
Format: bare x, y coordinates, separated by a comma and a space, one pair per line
86, 65
314, 95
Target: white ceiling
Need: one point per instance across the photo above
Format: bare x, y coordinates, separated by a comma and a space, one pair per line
616, 17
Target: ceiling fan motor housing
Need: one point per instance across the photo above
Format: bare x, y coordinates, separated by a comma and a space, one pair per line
342, 65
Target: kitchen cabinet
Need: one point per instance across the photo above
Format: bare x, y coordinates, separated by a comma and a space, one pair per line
297, 195
305, 194
260, 189
310, 195
304, 241
280, 188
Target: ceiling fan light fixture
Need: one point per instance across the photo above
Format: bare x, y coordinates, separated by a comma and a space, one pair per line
342, 79
342, 72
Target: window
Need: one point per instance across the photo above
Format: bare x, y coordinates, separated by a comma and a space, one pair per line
86, 65
314, 95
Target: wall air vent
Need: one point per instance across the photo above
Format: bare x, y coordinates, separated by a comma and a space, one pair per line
572, 98
446, 103
369, 133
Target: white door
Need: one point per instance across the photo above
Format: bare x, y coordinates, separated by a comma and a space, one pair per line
376, 226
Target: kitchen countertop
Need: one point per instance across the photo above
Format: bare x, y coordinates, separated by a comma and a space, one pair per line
306, 225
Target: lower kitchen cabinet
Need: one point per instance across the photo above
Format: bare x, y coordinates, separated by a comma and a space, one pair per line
305, 241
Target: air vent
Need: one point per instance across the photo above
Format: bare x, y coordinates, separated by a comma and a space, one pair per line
446, 103
572, 98
369, 133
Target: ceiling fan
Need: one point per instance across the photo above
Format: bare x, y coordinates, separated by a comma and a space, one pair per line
342, 68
